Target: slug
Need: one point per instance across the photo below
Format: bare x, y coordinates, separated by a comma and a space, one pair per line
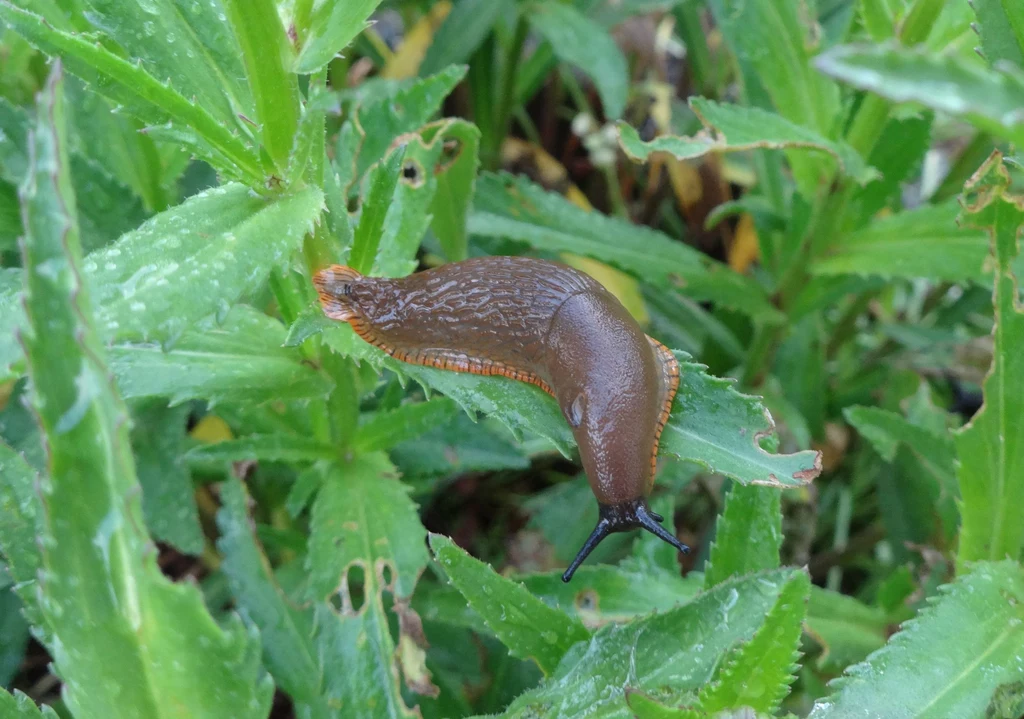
547, 324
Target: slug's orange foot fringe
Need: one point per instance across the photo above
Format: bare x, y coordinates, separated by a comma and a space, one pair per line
634, 514
334, 286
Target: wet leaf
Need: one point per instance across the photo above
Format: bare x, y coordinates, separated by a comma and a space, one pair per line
748, 535
526, 625
948, 661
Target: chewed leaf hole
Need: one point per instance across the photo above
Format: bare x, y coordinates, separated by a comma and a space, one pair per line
353, 589
412, 173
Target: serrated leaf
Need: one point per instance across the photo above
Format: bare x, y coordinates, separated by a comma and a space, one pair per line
748, 535
758, 674
408, 211
526, 625
990, 99
893, 247
20, 706
287, 630
226, 238
363, 520
268, 55
383, 119
735, 128
107, 609
20, 524
168, 501
265, 448
517, 209
949, 660
588, 47
333, 26
383, 182
847, 630
143, 284
671, 653
716, 426
990, 449
241, 359
1001, 27
141, 94
774, 48
517, 405
386, 429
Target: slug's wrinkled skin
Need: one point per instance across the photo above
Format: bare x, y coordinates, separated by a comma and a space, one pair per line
540, 322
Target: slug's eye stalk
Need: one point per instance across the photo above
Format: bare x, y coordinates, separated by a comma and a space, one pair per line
622, 518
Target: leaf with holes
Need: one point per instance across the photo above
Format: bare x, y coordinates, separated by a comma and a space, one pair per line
990, 449
363, 523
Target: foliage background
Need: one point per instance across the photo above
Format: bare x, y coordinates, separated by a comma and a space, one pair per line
214, 502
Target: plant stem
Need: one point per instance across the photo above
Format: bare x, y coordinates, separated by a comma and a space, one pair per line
918, 24
300, 20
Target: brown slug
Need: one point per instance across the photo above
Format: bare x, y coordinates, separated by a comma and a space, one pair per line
539, 322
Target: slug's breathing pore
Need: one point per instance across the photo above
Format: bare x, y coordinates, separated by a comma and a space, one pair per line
539, 322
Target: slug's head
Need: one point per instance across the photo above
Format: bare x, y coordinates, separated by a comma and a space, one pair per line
634, 514
334, 285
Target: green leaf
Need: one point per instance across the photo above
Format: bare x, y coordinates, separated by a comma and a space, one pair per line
408, 212
770, 41
526, 625
242, 359
456, 183
146, 647
990, 448
20, 525
588, 47
948, 661
847, 630
878, 19
517, 209
926, 242
333, 26
669, 653
265, 448
748, 535
518, 405
363, 525
386, 429
268, 56
456, 447
990, 99
168, 503
898, 153
141, 94
287, 630
461, 33
758, 674
225, 238
20, 706
190, 44
734, 128
383, 119
383, 182
1001, 26
719, 428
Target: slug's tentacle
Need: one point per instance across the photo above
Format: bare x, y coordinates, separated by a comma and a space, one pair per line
622, 518
546, 324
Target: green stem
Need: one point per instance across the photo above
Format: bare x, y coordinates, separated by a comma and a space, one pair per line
506, 96
919, 22
618, 202
481, 81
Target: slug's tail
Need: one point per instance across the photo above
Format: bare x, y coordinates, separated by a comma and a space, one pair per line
334, 285
620, 518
